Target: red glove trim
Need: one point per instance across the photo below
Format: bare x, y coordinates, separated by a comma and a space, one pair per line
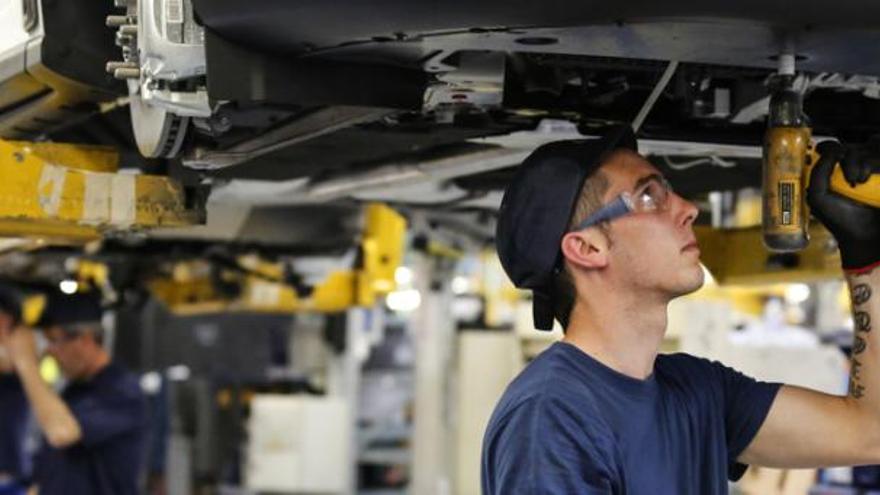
863, 270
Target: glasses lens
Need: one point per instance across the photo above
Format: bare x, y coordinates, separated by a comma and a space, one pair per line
652, 196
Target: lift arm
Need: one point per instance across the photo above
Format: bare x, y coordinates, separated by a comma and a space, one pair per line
261, 285
64, 193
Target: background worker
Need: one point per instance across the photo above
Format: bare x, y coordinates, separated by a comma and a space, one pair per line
94, 429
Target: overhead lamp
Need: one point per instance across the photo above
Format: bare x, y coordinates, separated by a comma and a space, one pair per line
69, 286
460, 285
797, 293
403, 275
404, 301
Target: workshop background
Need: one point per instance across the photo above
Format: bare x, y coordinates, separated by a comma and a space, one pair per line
289, 209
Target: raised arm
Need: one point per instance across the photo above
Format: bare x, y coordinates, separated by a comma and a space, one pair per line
805, 428
56, 420
864, 383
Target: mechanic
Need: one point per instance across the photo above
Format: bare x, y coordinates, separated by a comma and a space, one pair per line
13, 429
93, 431
604, 244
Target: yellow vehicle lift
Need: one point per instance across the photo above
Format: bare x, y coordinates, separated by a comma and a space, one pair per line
738, 257
70, 194
191, 290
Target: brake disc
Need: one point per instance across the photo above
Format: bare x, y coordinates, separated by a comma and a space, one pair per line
159, 133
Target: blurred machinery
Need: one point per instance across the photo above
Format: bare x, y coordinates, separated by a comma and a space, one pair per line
249, 283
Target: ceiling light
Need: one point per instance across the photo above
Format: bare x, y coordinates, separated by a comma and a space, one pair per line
404, 301
403, 275
68, 286
797, 293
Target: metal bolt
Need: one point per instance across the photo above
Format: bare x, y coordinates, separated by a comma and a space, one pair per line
128, 30
123, 40
126, 73
117, 20
112, 66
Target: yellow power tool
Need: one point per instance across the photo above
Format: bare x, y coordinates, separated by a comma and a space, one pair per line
789, 155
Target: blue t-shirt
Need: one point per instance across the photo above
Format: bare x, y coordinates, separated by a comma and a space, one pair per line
111, 411
570, 425
13, 427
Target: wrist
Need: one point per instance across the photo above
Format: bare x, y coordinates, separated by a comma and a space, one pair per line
851, 268
855, 258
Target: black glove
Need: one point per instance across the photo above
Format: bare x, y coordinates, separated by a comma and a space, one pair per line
855, 226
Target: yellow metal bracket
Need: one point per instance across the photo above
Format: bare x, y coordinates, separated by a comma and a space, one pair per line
382, 253
74, 193
264, 289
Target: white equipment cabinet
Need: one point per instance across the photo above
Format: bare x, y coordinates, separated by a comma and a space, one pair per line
299, 445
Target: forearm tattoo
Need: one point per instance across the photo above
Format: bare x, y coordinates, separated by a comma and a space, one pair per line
856, 389
861, 294
859, 345
862, 321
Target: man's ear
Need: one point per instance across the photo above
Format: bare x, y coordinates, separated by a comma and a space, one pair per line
586, 249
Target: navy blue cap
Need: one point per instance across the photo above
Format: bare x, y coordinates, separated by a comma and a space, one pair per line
70, 309
537, 208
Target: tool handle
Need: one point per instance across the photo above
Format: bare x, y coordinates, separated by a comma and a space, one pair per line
867, 192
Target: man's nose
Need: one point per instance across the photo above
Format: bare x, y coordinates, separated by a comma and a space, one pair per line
687, 211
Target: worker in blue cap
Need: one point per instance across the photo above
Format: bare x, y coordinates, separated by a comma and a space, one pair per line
601, 240
94, 429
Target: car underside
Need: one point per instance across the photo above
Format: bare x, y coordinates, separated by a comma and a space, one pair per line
295, 110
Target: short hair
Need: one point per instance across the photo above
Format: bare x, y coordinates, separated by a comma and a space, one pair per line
589, 201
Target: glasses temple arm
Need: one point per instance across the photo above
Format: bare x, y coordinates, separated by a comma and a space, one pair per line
617, 208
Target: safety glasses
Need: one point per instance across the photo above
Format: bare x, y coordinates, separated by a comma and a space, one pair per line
650, 194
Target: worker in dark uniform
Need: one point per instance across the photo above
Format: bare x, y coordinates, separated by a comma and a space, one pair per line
598, 236
94, 429
13, 429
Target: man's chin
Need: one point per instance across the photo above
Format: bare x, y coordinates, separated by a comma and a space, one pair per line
693, 285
